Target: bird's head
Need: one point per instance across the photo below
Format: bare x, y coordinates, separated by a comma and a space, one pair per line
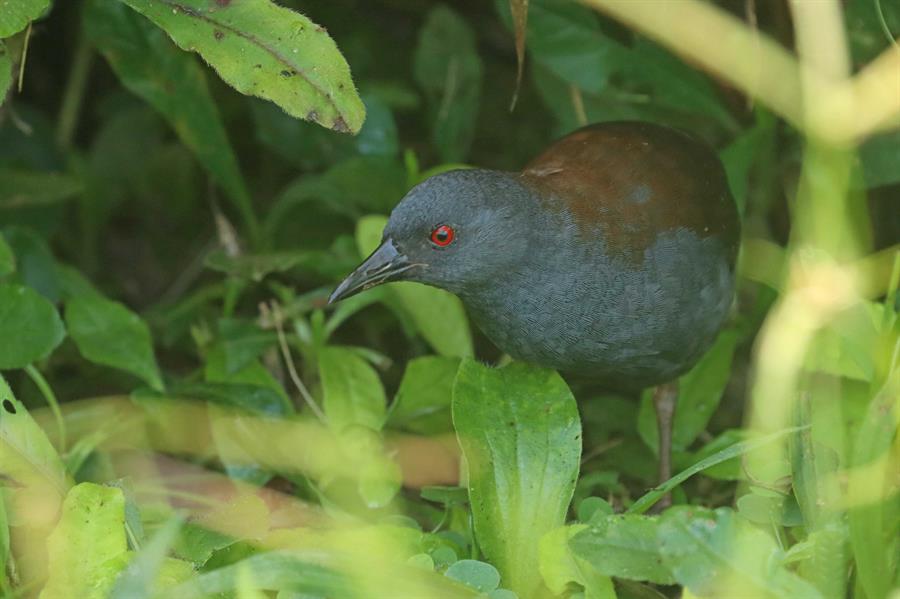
455, 231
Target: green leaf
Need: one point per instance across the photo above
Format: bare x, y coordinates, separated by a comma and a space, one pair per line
29, 465
568, 40
15, 15
478, 575
35, 265
87, 549
174, 84
519, 430
438, 315
624, 546
284, 57
108, 333
732, 451
31, 321
352, 391
243, 341
6, 72
740, 156
25, 188
699, 393
447, 66
560, 566
273, 571
422, 403
715, 553
7, 258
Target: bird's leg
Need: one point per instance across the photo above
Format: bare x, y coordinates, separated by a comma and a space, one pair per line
664, 399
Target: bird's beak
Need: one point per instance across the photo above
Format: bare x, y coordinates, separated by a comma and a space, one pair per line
383, 265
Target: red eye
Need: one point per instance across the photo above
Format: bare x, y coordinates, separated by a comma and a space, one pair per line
442, 236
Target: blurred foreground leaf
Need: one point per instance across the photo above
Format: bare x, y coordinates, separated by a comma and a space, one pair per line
87, 549
521, 437
284, 57
29, 465
30, 326
108, 333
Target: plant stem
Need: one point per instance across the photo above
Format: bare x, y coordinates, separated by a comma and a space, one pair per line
73, 96
48, 394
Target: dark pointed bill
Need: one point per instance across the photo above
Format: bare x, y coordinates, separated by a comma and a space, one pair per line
383, 265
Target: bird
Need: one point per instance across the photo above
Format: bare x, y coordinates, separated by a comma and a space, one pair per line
610, 255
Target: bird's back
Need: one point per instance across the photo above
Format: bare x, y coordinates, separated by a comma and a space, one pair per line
631, 275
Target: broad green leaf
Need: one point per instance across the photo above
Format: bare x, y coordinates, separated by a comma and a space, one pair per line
352, 392
422, 403
438, 315
108, 333
6, 72
173, 83
29, 324
284, 57
15, 15
447, 66
87, 549
521, 437
478, 575
560, 566
699, 393
624, 546
24, 188
252, 374
29, 465
716, 553
7, 258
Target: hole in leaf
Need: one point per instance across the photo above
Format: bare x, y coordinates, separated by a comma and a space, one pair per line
9, 406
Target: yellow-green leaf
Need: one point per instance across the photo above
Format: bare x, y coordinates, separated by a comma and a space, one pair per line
262, 49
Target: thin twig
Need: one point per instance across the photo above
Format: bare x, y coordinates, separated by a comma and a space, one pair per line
24, 57
275, 318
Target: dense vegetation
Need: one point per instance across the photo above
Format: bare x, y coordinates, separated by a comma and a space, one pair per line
183, 183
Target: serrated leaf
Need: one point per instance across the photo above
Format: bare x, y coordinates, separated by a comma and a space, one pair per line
108, 333
519, 430
87, 549
173, 83
284, 57
15, 15
31, 321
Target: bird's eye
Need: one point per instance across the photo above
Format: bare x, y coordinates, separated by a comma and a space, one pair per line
442, 236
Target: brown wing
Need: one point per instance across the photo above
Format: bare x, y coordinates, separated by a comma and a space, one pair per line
635, 180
